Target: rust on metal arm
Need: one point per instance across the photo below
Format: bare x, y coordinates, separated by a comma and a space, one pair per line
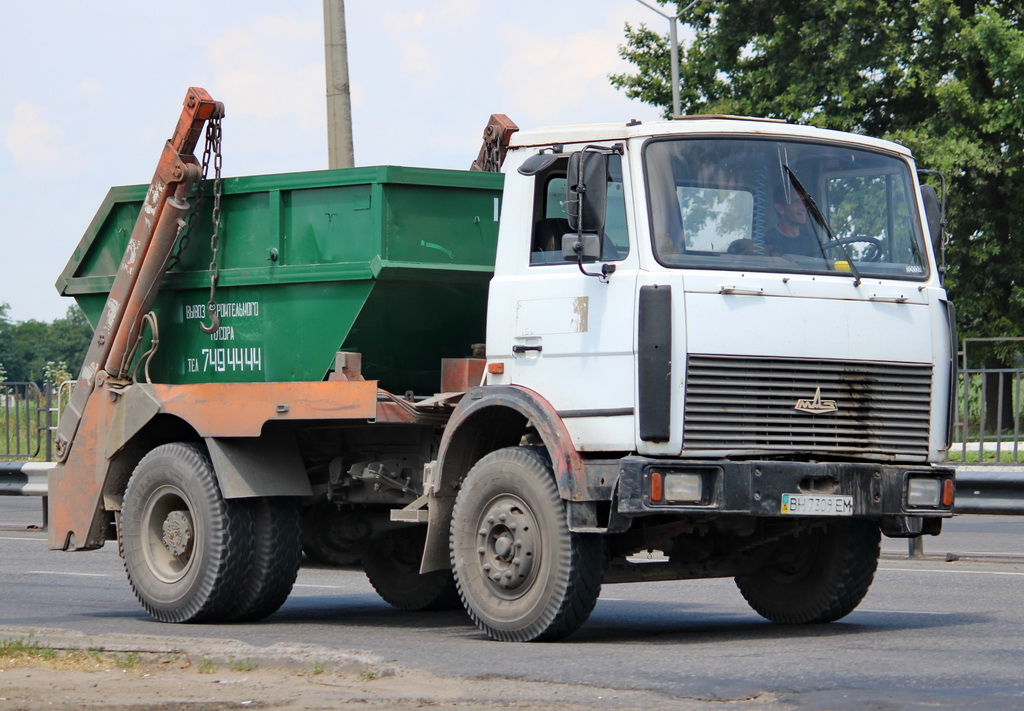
497, 135
141, 270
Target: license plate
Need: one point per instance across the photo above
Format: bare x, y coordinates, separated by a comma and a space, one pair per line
817, 505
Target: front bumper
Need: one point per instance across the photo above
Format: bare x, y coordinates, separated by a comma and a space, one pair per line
756, 488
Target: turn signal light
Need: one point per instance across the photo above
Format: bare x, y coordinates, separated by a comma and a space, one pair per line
496, 368
947, 492
655, 486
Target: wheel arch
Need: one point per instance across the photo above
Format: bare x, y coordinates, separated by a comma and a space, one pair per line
245, 467
128, 451
487, 419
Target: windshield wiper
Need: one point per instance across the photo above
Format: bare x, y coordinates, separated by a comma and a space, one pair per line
812, 207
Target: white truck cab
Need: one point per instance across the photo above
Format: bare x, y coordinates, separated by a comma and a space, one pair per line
712, 333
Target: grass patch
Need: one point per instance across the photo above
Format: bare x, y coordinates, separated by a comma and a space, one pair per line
318, 667
242, 665
15, 648
958, 456
207, 666
129, 660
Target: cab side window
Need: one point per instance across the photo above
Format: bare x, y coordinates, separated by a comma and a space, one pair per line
551, 222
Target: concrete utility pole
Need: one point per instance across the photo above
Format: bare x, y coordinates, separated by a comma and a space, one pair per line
339, 101
673, 39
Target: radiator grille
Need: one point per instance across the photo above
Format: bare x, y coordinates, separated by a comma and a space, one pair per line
741, 403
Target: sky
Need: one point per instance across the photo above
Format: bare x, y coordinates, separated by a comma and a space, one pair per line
91, 90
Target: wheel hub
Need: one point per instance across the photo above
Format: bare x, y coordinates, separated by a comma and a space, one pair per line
506, 546
177, 533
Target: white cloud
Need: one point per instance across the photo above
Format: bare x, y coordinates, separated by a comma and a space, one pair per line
455, 14
34, 142
418, 61
551, 75
271, 68
406, 30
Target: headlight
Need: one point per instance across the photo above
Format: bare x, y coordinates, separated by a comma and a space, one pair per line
683, 487
923, 492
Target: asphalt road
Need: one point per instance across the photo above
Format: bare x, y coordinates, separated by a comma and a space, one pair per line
943, 632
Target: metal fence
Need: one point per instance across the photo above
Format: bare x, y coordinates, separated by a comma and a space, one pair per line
989, 413
988, 428
24, 420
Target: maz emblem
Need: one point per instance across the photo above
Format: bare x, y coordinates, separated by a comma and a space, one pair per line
816, 406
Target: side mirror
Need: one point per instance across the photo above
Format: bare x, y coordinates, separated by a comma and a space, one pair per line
589, 247
933, 215
587, 191
538, 163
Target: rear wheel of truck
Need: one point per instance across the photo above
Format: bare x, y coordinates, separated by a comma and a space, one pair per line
522, 574
817, 576
186, 549
392, 564
333, 537
277, 552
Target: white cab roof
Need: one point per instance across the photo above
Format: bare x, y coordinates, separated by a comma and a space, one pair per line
691, 125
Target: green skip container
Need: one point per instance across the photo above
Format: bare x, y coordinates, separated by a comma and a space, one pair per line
389, 262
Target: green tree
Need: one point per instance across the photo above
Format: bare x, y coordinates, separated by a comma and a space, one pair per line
6, 341
944, 77
29, 348
69, 339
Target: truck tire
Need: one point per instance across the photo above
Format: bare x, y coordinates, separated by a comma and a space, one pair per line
276, 555
521, 573
186, 550
392, 564
332, 537
816, 577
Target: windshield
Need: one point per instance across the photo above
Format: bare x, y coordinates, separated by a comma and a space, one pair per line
786, 206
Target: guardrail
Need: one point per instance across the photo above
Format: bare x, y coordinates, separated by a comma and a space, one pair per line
979, 489
24, 478
989, 491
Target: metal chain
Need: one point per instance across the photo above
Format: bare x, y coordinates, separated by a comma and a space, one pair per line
186, 236
213, 142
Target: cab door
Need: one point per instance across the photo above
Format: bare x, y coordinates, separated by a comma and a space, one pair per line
570, 335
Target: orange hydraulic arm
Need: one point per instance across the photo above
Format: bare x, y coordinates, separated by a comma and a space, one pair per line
138, 279
497, 135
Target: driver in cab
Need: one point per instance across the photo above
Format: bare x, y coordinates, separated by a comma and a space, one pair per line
793, 234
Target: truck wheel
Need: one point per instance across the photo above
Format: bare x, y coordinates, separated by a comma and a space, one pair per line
521, 573
392, 563
816, 577
275, 558
331, 537
186, 550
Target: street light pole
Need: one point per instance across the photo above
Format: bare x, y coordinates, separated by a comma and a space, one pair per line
673, 47
339, 102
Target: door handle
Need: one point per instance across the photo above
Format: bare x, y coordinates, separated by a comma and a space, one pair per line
524, 349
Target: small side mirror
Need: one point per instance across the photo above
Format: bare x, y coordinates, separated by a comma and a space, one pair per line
587, 245
933, 215
538, 163
587, 191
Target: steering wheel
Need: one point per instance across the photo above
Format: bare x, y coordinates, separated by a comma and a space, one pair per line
872, 254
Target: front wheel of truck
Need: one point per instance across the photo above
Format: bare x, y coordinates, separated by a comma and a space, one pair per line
521, 573
817, 576
187, 550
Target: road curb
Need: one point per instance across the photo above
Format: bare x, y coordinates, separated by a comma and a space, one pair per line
222, 653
